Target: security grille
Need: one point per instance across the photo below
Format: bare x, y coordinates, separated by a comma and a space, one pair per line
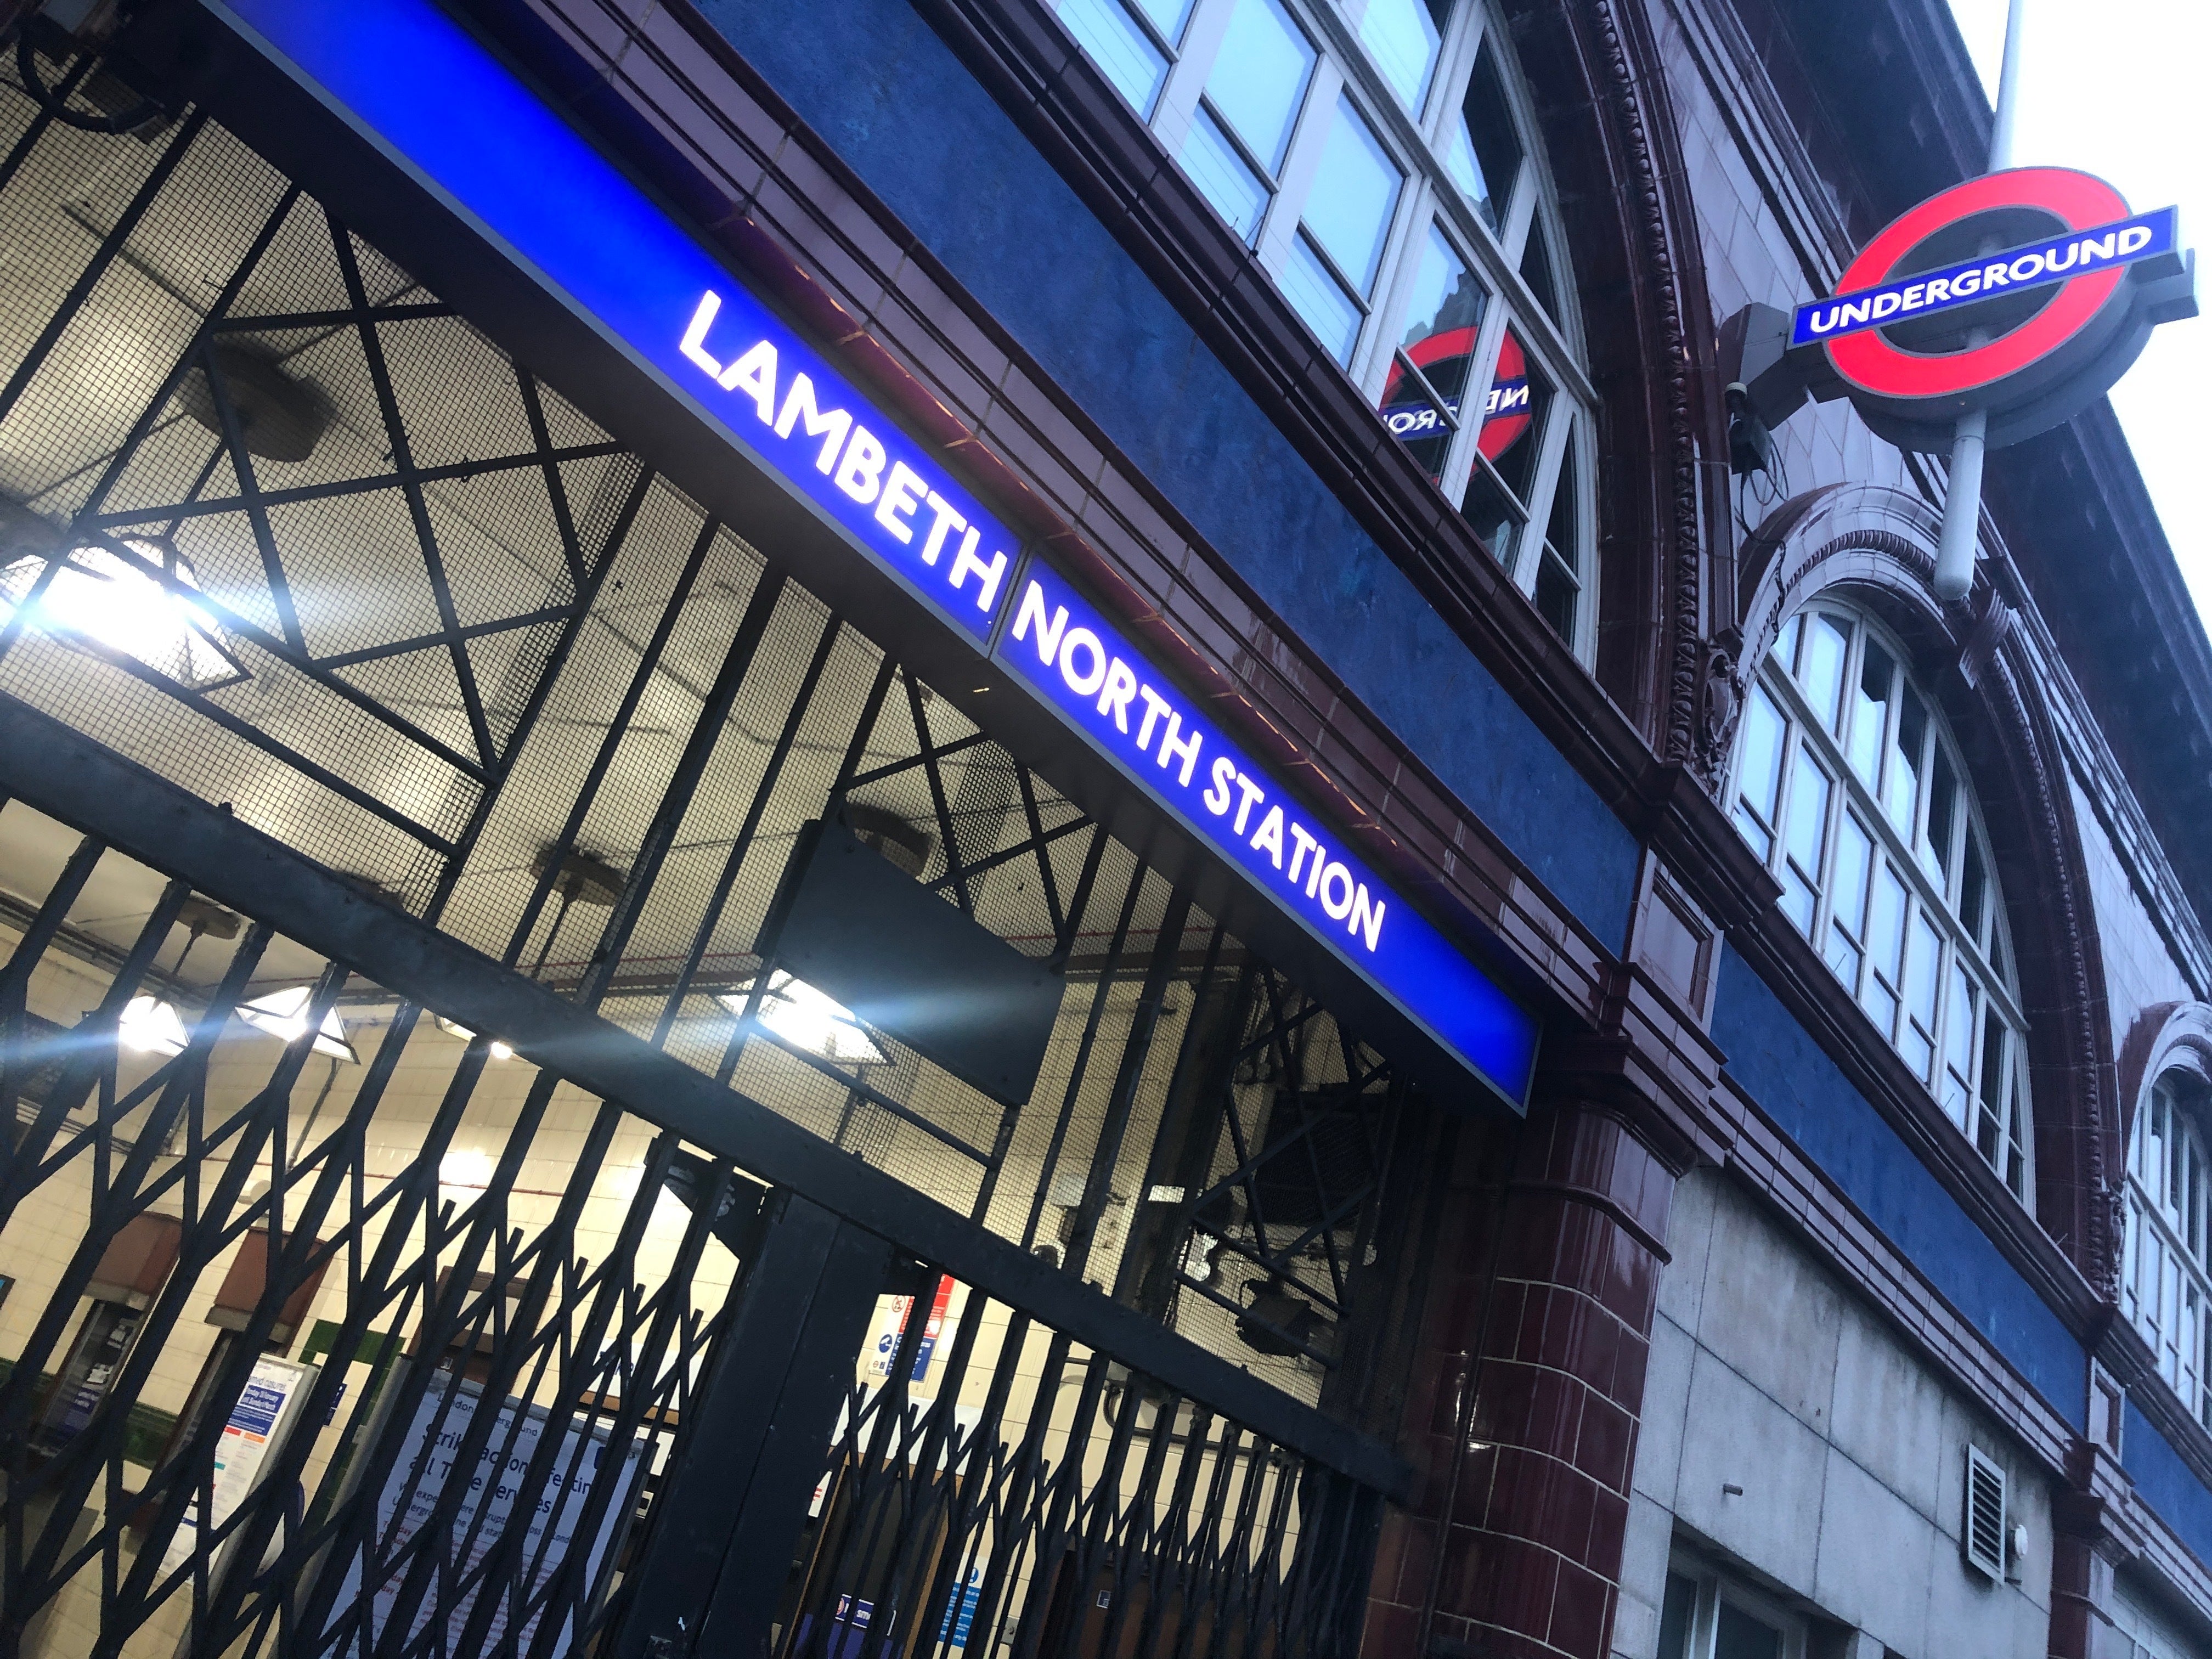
400, 608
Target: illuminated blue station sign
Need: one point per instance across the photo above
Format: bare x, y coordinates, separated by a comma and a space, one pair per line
449, 115
1066, 650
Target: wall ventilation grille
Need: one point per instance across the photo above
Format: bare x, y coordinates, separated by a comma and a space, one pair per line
1985, 1513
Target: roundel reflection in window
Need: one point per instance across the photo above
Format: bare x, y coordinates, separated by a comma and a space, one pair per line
1512, 408
1429, 374
1508, 411
1409, 410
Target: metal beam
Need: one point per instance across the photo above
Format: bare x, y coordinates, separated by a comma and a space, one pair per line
70, 776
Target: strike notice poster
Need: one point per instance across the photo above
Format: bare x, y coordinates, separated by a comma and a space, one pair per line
582, 1463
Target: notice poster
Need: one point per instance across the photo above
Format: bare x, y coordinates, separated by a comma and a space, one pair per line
256, 1428
429, 1448
891, 1314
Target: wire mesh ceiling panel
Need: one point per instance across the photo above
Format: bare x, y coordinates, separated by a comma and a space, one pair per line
281, 529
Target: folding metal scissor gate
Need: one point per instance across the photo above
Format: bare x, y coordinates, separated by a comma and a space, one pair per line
432, 1218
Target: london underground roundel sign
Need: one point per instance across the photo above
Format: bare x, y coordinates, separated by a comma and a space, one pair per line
2025, 292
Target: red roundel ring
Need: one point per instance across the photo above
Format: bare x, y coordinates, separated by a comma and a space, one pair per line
1500, 432
1873, 364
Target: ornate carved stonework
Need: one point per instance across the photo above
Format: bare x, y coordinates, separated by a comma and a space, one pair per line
1682, 555
1719, 707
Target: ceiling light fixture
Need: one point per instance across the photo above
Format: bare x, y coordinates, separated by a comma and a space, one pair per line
145, 605
466, 1167
283, 1015
808, 1019
149, 1025
455, 1028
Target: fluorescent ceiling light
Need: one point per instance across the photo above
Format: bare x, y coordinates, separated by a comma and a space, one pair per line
283, 1015
466, 1167
454, 1028
806, 1018
150, 1026
145, 607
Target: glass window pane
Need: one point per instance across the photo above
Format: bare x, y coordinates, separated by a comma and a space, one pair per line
1559, 589
1942, 812
1870, 712
1512, 416
1222, 176
1760, 773
1403, 37
1806, 839
1259, 78
1557, 592
1738, 1636
1854, 858
1320, 300
2176, 1140
1681, 1606
2195, 1202
1786, 642
1168, 16
1993, 1061
1970, 889
1483, 153
1443, 314
1985, 1139
1827, 642
1104, 29
1494, 518
1885, 948
1443, 317
1958, 1022
1806, 836
1847, 910
1354, 190
1416, 421
1959, 1047
1843, 959
1761, 839
1566, 505
1916, 1041
1901, 792
1536, 268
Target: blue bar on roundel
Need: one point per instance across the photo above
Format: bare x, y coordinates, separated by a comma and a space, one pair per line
2031, 265
1061, 645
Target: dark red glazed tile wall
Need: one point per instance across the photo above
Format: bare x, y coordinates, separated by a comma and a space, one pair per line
1516, 1528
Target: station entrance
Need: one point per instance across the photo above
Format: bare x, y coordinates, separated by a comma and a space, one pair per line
559, 1095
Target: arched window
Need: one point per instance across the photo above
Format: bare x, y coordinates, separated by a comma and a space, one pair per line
1377, 157
1851, 790
2166, 1279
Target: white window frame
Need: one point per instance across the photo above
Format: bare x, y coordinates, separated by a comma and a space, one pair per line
2165, 1271
1716, 1589
1415, 141
1992, 986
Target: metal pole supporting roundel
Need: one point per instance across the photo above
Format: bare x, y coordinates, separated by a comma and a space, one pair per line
1962, 501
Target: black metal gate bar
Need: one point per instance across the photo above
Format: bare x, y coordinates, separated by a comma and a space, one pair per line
84, 784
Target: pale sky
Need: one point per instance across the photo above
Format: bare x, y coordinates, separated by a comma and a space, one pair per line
2117, 88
